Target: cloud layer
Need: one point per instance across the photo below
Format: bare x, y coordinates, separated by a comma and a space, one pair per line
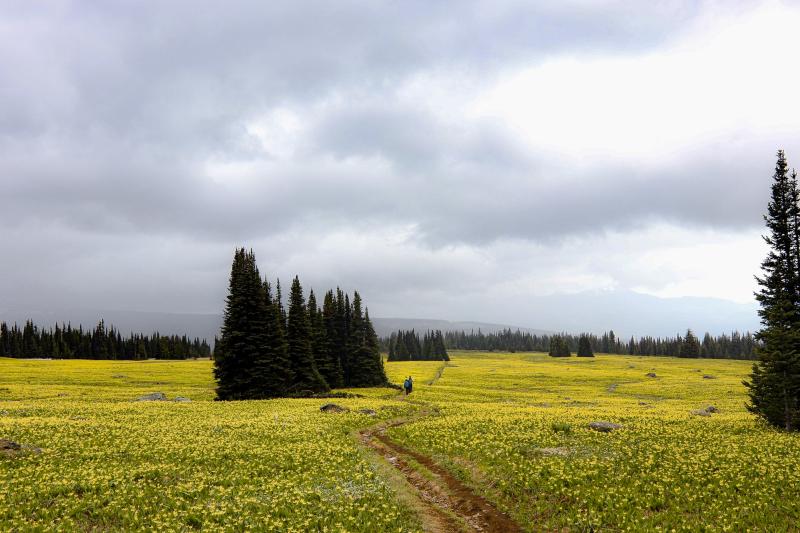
459, 150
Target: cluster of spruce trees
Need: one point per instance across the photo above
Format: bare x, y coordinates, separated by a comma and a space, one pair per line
406, 346
266, 352
66, 342
774, 384
733, 346
559, 347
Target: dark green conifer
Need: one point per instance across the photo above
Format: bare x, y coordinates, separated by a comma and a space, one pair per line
559, 347
331, 320
690, 346
327, 365
774, 384
585, 347
251, 362
307, 378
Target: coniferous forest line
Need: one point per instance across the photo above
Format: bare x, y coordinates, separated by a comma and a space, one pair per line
265, 351
65, 342
734, 346
407, 346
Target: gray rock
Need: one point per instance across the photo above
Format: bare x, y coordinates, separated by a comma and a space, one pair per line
153, 397
10, 448
709, 376
6, 444
651, 375
712, 409
368, 412
181, 399
604, 427
333, 408
701, 412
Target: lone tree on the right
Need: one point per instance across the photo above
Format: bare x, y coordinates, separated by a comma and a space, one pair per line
774, 385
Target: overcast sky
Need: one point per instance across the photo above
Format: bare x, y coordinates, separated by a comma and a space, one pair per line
451, 160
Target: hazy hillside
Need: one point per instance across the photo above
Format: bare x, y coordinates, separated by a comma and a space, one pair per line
385, 326
627, 313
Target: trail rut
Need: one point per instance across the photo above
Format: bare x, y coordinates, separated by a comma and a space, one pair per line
450, 505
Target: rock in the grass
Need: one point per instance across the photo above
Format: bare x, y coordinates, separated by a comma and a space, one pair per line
6, 444
181, 399
9, 448
709, 376
333, 408
604, 427
651, 375
558, 452
368, 412
152, 397
706, 411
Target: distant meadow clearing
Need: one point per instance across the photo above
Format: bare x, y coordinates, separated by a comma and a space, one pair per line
513, 427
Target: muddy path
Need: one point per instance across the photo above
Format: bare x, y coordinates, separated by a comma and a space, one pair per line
447, 504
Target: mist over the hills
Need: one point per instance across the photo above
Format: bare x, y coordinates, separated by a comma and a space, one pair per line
627, 313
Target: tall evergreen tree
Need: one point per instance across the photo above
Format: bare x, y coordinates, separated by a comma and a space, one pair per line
331, 320
369, 371
252, 361
584, 347
774, 385
559, 347
306, 375
690, 346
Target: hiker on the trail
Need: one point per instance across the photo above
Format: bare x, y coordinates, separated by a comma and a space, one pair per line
410, 384
407, 385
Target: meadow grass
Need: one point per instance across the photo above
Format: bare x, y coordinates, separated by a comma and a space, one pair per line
110, 463
515, 426
512, 426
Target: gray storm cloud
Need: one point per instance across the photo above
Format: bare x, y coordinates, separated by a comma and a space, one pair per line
127, 146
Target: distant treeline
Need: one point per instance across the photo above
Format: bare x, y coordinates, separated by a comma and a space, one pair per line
66, 342
734, 346
406, 346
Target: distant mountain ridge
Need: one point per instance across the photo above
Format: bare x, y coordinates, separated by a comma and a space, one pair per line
627, 313
386, 326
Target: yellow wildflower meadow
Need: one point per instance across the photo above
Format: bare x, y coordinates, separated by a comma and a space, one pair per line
514, 427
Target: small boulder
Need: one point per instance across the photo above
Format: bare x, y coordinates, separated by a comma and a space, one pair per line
333, 408
10, 448
555, 452
368, 412
705, 412
153, 397
181, 399
651, 375
709, 376
604, 427
6, 444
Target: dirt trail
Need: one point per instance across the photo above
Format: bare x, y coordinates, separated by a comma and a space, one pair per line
448, 504
439, 373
